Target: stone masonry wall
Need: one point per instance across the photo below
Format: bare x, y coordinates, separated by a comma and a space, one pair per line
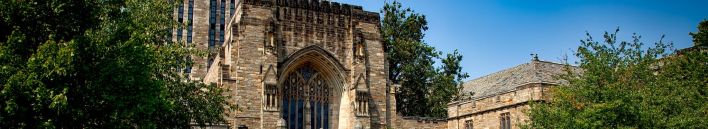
199, 33
270, 31
485, 112
247, 66
419, 123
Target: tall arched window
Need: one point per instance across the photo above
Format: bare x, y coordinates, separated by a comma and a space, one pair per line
306, 98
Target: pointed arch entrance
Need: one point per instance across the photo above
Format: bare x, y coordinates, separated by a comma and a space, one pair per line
311, 86
306, 96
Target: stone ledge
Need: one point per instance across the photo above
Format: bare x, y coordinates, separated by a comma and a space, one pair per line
424, 119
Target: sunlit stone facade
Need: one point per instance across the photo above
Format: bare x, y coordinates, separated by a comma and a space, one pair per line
312, 64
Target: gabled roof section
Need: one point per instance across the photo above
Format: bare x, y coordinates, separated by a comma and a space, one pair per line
509, 79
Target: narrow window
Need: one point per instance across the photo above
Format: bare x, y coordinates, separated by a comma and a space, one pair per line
212, 23
211, 38
222, 18
189, 34
233, 6
221, 37
180, 14
190, 18
469, 124
179, 33
505, 121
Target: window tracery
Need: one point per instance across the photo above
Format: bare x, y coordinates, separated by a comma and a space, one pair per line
271, 100
306, 96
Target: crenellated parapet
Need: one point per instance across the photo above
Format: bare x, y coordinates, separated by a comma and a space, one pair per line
351, 11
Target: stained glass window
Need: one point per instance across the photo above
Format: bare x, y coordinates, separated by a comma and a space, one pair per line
306, 86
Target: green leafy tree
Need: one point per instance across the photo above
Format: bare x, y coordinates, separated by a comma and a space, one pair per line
628, 85
410, 60
98, 64
700, 38
446, 84
410, 63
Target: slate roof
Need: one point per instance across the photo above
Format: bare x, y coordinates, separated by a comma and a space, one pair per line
509, 79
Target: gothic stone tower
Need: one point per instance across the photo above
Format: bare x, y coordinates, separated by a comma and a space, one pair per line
308, 63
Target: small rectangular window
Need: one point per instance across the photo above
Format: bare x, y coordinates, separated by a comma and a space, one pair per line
189, 34
211, 37
233, 6
190, 18
191, 6
181, 10
221, 38
179, 33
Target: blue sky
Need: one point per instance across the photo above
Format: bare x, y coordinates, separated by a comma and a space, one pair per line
495, 35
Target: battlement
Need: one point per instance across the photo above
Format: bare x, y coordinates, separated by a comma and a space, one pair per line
354, 11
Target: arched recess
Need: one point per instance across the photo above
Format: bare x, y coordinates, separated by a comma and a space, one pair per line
332, 73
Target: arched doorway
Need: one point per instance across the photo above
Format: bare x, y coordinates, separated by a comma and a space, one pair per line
306, 101
311, 88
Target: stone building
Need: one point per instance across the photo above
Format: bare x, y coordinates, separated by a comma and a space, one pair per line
293, 63
499, 100
311, 64
204, 26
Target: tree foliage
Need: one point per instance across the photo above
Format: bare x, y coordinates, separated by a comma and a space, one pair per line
98, 64
410, 63
446, 84
628, 85
700, 38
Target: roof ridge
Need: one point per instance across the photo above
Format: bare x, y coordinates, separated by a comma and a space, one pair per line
495, 73
555, 63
